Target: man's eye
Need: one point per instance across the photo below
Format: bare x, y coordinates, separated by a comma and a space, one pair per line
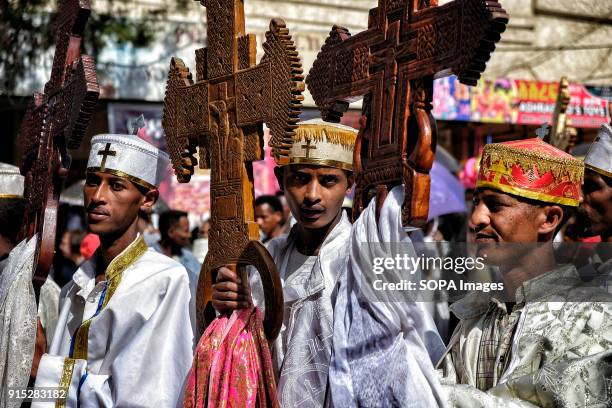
300, 178
589, 187
494, 206
329, 180
117, 186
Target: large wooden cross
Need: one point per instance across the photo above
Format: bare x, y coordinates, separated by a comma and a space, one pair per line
563, 135
392, 66
55, 121
222, 113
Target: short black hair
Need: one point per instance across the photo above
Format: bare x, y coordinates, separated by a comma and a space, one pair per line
12, 211
273, 201
568, 211
169, 219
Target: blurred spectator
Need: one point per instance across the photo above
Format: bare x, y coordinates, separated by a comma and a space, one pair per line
288, 219
199, 240
71, 258
146, 228
269, 216
175, 234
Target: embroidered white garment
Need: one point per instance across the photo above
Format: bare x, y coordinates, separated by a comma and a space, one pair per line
383, 352
302, 351
138, 350
48, 307
17, 320
560, 352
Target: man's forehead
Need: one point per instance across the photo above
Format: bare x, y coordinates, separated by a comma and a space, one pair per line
492, 193
105, 176
592, 175
313, 168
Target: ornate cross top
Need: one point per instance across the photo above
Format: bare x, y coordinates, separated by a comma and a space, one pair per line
543, 131
105, 153
222, 113
392, 65
562, 135
56, 120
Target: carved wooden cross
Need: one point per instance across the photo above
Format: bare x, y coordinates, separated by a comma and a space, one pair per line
222, 113
562, 135
392, 65
55, 121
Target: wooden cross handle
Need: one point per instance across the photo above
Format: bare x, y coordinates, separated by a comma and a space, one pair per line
256, 255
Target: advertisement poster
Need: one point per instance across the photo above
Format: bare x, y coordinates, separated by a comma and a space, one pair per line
515, 101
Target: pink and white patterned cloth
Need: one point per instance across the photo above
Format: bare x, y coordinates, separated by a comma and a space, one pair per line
232, 366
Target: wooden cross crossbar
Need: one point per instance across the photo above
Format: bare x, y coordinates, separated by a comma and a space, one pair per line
562, 135
392, 66
222, 113
55, 121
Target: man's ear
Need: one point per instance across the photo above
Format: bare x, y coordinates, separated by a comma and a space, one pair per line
350, 179
279, 172
149, 200
550, 218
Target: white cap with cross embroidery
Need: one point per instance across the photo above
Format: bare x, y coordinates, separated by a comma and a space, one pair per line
129, 157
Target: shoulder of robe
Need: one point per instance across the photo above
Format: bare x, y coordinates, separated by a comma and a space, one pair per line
276, 244
590, 296
155, 264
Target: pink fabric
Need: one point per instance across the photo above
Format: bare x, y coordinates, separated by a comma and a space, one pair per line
232, 366
468, 175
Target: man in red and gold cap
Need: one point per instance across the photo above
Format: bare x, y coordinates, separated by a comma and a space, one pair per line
551, 345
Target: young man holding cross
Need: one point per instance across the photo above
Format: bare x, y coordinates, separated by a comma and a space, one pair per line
125, 334
312, 261
551, 344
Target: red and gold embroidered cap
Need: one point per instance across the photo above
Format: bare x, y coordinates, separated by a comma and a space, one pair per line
532, 169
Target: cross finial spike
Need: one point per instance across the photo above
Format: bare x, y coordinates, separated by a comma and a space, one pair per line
543, 131
137, 124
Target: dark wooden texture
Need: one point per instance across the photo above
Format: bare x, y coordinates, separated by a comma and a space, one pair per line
55, 121
392, 65
562, 135
222, 113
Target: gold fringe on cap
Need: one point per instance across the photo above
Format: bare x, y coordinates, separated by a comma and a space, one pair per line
319, 132
526, 159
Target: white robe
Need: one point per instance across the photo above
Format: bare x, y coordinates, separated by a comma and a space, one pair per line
17, 321
139, 347
385, 345
302, 351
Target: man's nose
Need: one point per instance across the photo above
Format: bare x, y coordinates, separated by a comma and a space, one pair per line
480, 217
100, 193
313, 192
260, 221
